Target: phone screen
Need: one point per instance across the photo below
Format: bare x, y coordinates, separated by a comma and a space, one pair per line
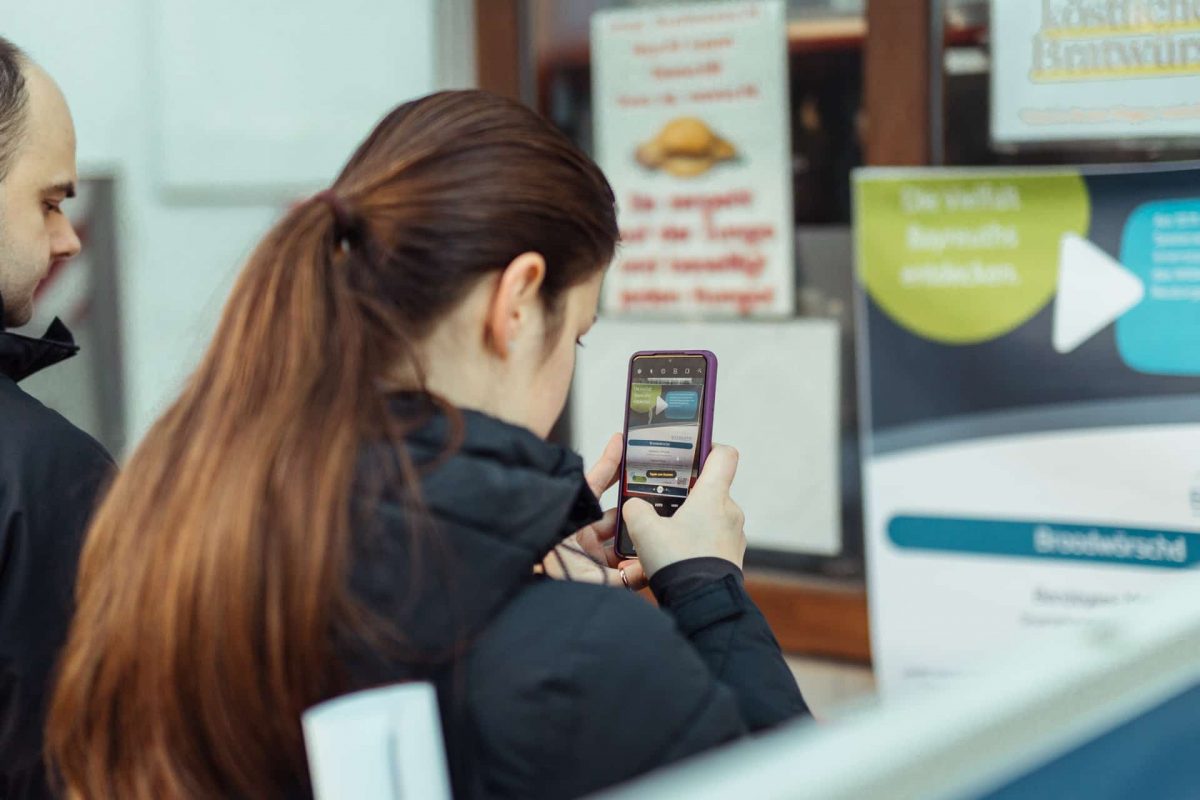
662, 435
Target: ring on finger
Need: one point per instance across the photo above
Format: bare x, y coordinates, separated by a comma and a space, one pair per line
625, 579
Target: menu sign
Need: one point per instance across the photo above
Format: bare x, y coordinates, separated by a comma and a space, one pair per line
692, 130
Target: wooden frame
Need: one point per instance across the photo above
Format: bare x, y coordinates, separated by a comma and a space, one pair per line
812, 617
498, 46
897, 86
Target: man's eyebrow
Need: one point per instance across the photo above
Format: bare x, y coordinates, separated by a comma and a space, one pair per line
66, 188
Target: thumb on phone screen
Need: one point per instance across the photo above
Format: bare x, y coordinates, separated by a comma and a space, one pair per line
718, 472
708, 524
639, 514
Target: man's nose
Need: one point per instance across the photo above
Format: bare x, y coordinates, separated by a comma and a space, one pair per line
66, 242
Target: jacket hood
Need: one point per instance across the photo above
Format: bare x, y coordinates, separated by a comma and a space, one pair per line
493, 508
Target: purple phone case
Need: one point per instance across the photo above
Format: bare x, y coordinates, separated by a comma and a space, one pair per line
706, 422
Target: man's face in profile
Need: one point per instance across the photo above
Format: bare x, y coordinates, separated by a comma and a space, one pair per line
35, 234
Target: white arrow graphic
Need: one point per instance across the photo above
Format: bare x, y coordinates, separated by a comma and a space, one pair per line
1094, 289
660, 406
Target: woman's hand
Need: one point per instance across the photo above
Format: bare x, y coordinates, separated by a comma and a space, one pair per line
708, 524
588, 554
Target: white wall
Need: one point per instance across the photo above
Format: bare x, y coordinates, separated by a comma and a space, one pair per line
178, 257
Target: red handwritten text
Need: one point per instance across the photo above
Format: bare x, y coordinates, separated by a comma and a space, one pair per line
643, 203
707, 69
745, 301
750, 234
675, 233
712, 202
635, 235
746, 92
652, 297
639, 265
750, 265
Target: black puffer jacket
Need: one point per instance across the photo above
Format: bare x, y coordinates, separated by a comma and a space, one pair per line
50, 475
558, 688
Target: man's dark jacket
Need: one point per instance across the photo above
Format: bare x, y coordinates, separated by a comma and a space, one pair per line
50, 477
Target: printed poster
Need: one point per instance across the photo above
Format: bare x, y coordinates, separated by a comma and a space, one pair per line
691, 110
1095, 69
1031, 401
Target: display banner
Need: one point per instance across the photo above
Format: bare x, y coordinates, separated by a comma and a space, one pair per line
1095, 69
691, 127
1030, 358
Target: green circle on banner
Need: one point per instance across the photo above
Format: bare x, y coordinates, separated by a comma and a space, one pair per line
962, 259
644, 396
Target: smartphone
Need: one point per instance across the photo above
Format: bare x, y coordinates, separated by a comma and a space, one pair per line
669, 399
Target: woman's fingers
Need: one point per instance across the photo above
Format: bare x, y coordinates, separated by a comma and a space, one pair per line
596, 539
708, 524
638, 514
565, 563
568, 563
603, 473
635, 577
719, 469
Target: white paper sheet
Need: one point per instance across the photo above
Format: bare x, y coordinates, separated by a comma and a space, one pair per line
378, 744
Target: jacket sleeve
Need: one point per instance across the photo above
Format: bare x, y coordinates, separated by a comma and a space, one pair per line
710, 606
653, 696
575, 688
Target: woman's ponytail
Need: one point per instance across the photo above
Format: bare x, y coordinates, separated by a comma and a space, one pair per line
213, 580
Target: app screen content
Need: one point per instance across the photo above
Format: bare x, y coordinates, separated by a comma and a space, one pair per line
662, 438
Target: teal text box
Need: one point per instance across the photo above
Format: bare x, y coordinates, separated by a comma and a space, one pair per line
1161, 244
1048, 540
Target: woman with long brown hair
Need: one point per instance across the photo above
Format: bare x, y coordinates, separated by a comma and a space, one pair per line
354, 489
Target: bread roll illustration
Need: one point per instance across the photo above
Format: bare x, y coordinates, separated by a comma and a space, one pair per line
685, 147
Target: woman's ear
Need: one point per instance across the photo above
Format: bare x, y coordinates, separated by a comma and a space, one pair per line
516, 302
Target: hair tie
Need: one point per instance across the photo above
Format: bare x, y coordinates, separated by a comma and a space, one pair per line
346, 223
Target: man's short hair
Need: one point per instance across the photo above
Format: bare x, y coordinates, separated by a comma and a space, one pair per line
14, 101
